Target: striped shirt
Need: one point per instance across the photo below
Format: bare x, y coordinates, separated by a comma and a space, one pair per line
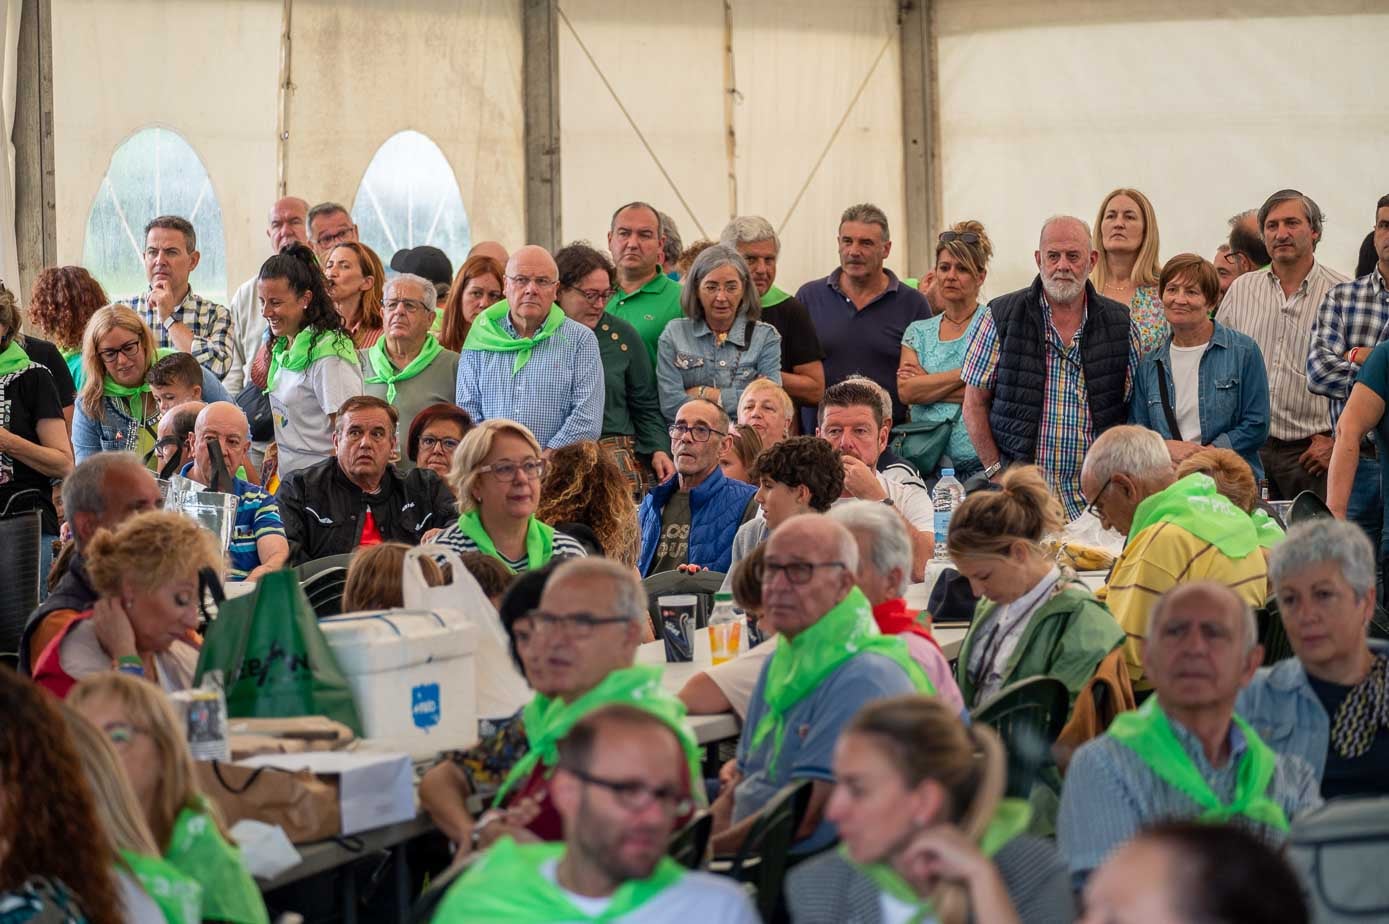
257, 516
210, 323
1065, 432
1110, 793
566, 546
1282, 327
1156, 560
1353, 314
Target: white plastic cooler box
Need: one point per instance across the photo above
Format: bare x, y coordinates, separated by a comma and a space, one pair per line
413, 675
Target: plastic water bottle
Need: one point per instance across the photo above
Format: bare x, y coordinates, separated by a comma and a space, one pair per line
724, 629
947, 496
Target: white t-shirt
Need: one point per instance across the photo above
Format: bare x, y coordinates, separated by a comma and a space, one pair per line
696, 897
1186, 385
914, 503
737, 678
301, 404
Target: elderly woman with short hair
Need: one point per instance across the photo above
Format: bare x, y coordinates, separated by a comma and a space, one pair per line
1329, 704
719, 346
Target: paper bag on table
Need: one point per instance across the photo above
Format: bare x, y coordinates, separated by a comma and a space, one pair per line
374, 789
305, 806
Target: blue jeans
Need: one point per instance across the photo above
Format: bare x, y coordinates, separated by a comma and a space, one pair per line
1365, 507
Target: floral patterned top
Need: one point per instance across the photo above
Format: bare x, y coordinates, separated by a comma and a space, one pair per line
39, 901
1148, 318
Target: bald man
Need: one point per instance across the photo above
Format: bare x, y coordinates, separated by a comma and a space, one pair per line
1062, 333
258, 543
288, 222
174, 436
492, 249
525, 361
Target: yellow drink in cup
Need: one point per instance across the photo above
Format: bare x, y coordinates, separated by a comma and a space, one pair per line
725, 632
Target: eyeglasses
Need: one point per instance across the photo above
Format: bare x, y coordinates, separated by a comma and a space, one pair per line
1093, 508
635, 796
127, 349
699, 433
505, 471
411, 305
797, 572
541, 282
574, 625
731, 289
596, 296
429, 443
964, 237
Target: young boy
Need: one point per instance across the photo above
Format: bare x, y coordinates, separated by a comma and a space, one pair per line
176, 379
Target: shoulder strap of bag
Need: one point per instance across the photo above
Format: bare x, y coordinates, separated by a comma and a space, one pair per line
1167, 402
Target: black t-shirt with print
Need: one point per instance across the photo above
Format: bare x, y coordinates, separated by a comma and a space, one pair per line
26, 397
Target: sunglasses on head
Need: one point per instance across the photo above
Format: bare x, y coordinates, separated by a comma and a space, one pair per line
964, 237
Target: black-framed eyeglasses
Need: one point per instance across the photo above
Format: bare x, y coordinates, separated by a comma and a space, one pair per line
574, 625
699, 433
505, 471
448, 443
797, 572
964, 237
594, 296
635, 796
127, 349
1093, 508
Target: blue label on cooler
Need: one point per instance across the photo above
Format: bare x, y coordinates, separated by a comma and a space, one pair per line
424, 705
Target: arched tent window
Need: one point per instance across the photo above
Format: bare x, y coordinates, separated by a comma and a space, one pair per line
154, 172
409, 197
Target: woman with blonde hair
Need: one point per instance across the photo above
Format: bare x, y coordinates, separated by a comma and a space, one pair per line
925, 832
152, 889
375, 577
1126, 236
149, 573
584, 485
496, 477
765, 407
933, 350
1033, 618
357, 284
144, 730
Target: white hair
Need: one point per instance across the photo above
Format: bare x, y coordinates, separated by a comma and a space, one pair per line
1084, 225
628, 595
1135, 451
889, 545
429, 294
749, 229
1248, 621
848, 546
1318, 541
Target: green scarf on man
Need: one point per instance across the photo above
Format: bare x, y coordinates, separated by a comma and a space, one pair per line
487, 334
1196, 506
774, 296
383, 370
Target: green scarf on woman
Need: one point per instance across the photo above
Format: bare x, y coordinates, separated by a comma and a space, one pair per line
309, 346
800, 665
197, 849
13, 358
540, 540
178, 895
548, 720
487, 334
383, 370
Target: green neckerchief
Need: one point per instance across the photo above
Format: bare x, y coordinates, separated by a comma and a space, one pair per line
179, 897
487, 334
774, 296
1148, 733
309, 346
1196, 506
800, 665
383, 370
540, 540
197, 849
13, 358
1010, 819
548, 720
507, 885
1268, 531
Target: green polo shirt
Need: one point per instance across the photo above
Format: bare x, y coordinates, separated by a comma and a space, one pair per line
649, 309
631, 406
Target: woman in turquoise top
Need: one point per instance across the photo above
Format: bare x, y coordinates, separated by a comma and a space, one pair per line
933, 350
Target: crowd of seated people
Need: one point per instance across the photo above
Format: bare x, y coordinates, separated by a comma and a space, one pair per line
575, 424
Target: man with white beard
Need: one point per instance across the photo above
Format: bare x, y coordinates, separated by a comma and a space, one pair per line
1050, 367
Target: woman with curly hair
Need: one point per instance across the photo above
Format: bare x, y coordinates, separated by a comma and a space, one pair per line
147, 574
140, 722
477, 287
357, 284
62, 301
51, 867
584, 485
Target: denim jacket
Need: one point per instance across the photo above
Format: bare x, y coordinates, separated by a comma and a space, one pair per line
1232, 397
1284, 709
689, 355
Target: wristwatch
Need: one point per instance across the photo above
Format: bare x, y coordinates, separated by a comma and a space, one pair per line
993, 470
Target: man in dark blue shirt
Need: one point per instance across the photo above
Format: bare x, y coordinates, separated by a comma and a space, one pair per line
861, 309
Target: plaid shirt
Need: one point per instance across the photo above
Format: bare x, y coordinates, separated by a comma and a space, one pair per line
210, 323
1065, 432
1353, 314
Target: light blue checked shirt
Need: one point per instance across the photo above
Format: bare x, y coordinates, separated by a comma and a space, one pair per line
1110, 793
1064, 433
558, 395
210, 323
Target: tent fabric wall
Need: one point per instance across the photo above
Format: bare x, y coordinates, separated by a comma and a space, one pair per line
1207, 109
798, 67
9, 61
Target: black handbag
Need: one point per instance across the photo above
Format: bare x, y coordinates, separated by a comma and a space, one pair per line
255, 404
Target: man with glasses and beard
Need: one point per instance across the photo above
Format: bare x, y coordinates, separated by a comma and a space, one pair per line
831, 661
619, 788
692, 517
1050, 367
